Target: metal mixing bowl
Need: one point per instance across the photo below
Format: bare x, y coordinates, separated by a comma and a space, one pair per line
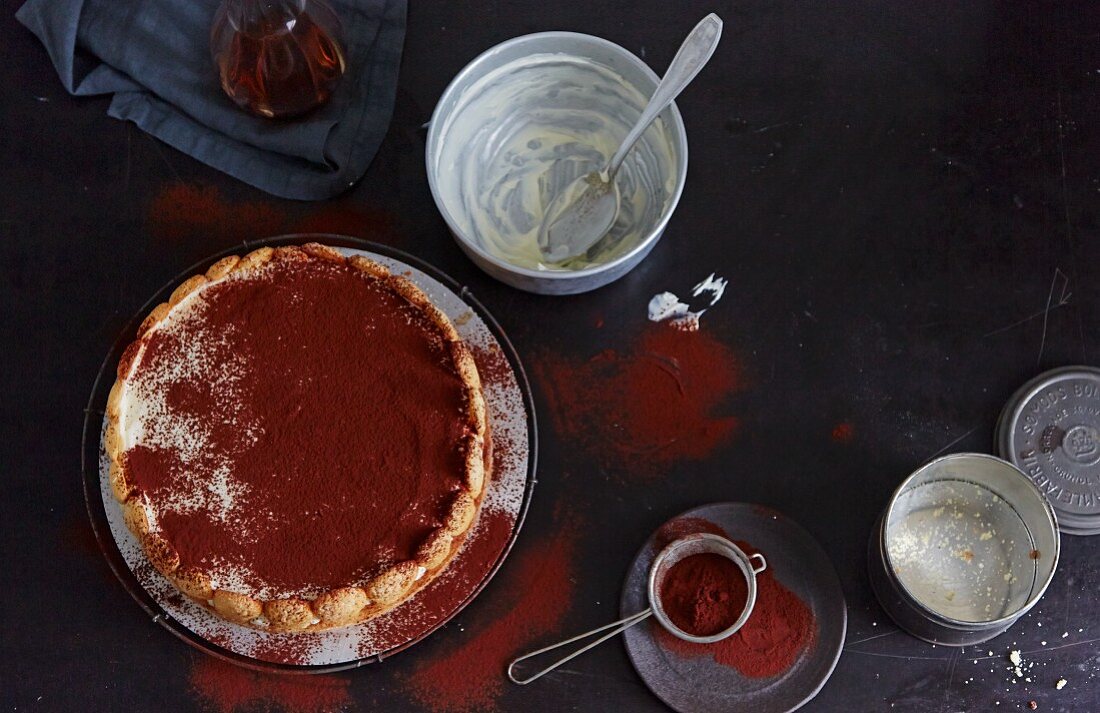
634, 71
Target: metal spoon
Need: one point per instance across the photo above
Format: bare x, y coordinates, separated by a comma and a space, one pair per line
585, 210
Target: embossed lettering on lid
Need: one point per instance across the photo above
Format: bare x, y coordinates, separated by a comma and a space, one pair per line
1050, 429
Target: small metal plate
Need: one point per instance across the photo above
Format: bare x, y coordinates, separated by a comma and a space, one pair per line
1050, 429
699, 685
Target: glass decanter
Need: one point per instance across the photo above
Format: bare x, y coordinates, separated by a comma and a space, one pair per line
277, 58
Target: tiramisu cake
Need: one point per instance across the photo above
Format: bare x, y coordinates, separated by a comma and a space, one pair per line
298, 439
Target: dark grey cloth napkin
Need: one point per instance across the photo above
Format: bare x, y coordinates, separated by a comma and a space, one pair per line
154, 57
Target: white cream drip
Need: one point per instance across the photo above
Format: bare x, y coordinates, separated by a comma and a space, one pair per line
665, 306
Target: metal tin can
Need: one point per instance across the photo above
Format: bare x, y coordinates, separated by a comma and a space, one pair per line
966, 546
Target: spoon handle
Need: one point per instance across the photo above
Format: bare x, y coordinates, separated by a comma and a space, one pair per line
690, 58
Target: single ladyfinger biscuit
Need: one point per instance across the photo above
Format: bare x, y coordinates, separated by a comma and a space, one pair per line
475, 464
338, 607
476, 414
255, 259
392, 584
187, 287
133, 514
289, 253
408, 289
120, 486
236, 607
114, 400
160, 553
193, 582
126, 361
112, 440
323, 252
462, 513
288, 614
434, 550
368, 266
466, 365
151, 320
222, 267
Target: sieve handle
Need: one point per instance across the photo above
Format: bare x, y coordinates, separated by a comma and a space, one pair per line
622, 625
763, 563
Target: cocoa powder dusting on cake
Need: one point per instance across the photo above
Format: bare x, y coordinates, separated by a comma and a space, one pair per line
282, 429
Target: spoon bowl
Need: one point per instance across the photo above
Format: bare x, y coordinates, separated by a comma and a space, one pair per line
579, 217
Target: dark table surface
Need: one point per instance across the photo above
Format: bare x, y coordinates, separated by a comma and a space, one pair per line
904, 197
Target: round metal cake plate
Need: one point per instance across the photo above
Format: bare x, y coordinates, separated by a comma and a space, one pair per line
1050, 429
699, 684
512, 415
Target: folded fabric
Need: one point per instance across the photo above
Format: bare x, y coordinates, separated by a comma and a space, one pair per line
154, 57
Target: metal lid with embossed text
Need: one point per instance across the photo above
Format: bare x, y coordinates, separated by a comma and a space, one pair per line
1050, 429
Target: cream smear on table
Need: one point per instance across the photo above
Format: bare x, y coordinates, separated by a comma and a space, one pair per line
525, 131
666, 306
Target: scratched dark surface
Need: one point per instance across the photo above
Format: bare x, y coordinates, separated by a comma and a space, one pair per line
904, 197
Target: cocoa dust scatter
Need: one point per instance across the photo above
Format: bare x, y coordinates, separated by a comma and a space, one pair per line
492, 364
77, 535
637, 410
222, 687
345, 218
843, 433
183, 212
682, 527
526, 610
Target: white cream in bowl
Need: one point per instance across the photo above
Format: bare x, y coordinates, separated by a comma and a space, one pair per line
524, 131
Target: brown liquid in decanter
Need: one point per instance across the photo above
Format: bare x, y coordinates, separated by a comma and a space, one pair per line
277, 59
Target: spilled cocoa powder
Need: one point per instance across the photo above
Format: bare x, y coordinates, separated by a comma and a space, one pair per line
77, 535
638, 410
182, 212
843, 433
222, 687
525, 608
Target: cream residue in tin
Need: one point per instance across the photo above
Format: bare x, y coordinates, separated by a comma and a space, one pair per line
961, 550
523, 132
